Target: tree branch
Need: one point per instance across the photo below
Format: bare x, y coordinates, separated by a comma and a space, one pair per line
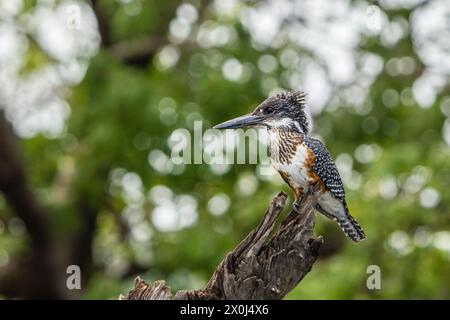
136, 52
139, 51
14, 185
103, 23
261, 266
19, 278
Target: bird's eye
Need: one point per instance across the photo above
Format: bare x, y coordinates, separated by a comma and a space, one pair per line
268, 110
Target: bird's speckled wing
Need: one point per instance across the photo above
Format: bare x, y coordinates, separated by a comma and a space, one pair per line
325, 168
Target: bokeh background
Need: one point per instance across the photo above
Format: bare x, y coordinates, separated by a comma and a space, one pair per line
91, 91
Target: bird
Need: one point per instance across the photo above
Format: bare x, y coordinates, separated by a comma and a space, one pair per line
301, 160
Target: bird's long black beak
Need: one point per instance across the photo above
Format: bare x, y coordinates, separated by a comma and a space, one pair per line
240, 122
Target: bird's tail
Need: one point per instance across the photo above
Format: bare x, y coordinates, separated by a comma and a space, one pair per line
351, 228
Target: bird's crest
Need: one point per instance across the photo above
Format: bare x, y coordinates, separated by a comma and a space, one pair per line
297, 98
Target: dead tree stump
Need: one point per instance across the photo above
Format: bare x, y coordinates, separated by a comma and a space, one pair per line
265, 265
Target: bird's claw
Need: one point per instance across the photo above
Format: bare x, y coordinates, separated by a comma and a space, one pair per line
296, 207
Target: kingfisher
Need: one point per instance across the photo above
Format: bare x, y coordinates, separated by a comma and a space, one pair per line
301, 160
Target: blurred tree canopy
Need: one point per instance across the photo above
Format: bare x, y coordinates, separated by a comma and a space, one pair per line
91, 92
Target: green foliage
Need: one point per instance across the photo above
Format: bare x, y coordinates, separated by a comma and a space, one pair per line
120, 114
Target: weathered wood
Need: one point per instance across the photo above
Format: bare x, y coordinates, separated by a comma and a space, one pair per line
265, 265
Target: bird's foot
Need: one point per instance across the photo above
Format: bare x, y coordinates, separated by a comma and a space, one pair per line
296, 206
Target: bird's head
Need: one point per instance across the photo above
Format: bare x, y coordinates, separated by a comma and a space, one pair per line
283, 110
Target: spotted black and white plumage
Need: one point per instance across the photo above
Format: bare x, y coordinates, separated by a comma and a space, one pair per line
325, 168
333, 203
301, 160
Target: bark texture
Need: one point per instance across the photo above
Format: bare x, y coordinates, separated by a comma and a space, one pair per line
267, 264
